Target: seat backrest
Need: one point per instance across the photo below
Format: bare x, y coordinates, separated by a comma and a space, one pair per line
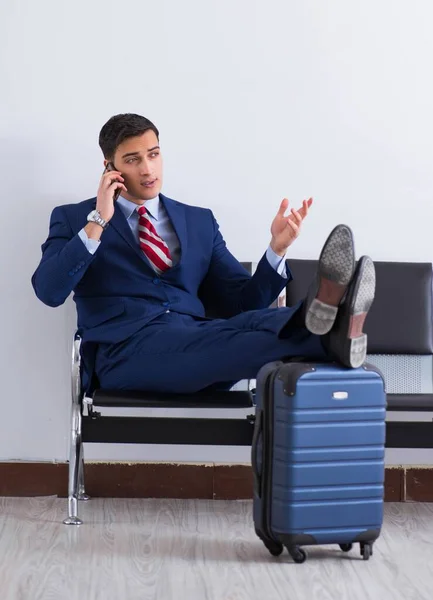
399, 324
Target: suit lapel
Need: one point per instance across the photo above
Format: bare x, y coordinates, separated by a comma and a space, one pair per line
121, 225
176, 213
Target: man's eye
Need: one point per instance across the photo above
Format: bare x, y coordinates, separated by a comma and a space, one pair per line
154, 154
130, 160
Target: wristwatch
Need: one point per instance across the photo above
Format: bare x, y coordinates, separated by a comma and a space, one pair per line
95, 217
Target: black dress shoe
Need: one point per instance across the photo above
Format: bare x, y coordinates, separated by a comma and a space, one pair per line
334, 273
346, 342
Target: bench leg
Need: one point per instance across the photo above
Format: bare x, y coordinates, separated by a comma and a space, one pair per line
75, 459
82, 496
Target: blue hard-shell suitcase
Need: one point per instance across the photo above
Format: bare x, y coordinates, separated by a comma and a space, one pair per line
318, 456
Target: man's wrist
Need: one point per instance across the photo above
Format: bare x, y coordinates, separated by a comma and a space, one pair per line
93, 230
278, 249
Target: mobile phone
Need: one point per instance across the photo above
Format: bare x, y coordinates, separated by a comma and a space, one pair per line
111, 167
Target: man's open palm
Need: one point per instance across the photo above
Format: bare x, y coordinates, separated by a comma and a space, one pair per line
285, 229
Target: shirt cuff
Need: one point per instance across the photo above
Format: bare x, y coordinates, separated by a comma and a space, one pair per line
91, 245
278, 263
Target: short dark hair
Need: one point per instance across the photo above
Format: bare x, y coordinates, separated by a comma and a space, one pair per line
121, 127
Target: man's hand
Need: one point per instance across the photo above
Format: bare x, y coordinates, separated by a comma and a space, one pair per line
285, 230
110, 182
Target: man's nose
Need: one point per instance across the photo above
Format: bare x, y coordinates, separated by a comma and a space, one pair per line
145, 167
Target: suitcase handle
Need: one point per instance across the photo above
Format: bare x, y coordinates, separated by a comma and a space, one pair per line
254, 449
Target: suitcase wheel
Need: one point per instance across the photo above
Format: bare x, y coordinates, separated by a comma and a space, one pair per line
298, 555
274, 547
346, 547
366, 550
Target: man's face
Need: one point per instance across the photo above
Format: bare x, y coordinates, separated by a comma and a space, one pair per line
139, 160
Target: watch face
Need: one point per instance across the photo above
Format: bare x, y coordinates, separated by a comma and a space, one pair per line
95, 217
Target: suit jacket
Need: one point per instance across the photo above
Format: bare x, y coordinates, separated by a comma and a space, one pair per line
117, 292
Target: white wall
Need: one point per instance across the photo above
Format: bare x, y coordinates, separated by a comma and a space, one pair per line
254, 100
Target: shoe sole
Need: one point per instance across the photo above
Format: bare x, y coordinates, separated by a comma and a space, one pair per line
355, 351
335, 270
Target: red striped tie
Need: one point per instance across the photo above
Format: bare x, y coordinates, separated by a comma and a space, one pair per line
152, 245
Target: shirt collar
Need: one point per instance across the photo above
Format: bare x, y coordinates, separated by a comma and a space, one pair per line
128, 207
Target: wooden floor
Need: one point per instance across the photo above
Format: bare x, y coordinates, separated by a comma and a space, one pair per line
197, 550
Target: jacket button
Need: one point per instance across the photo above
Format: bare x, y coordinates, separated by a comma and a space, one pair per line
156, 281
166, 304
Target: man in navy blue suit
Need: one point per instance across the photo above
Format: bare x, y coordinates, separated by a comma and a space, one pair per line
145, 269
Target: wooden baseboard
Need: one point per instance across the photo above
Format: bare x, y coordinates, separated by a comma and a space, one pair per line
166, 480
